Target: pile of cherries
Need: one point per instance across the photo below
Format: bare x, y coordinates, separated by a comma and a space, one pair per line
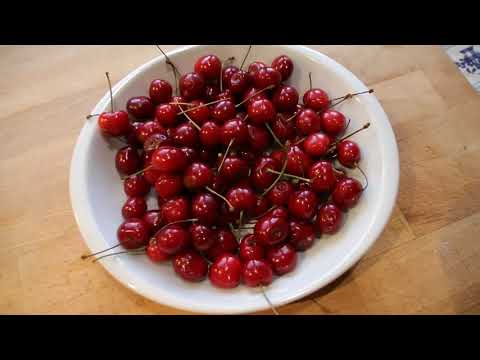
233, 153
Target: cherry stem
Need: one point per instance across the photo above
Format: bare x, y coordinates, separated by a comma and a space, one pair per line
252, 220
245, 58
92, 115
348, 96
310, 79
138, 172
110, 88
181, 103
197, 107
365, 176
119, 253
277, 140
289, 175
189, 119
366, 126
268, 300
255, 94
175, 70
240, 220
301, 140
348, 124
83, 257
230, 206
292, 117
178, 222
277, 179
225, 155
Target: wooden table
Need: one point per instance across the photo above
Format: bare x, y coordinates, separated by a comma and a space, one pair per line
426, 261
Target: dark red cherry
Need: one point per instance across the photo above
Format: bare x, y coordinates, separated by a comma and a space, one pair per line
285, 98
209, 66
136, 185
190, 266
247, 155
114, 123
169, 159
316, 99
239, 82
348, 153
233, 169
261, 111
172, 239
176, 209
257, 273
226, 271
298, 162
166, 114
202, 236
281, 192
242, 198
211, 92
223, 111
127, 160
191, 86
131, 137
228, 71
279, 211
303, 204
282, 258
284, 130
333, 122
259, 137
284, 65
133, 233
197, 176
254, 67
278, 155
160, 91
168, 185
210, 134
270, 230
316, 144
302, 235
308, 122
329, 219
140, 107
234, 129
225, 243
153, 219
252, 95
186, 135
154, 253
347, 192
200, 114
322, 176
218, 183
263, 204
148, 128
151, 175
206, 156
267, 76
134, 208
191, 153
205, 208
154, 141
261, 176
250, 248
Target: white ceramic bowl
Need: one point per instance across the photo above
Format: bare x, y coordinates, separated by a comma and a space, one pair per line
97, 193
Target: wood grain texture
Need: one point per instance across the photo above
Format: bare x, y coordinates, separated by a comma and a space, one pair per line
427, 260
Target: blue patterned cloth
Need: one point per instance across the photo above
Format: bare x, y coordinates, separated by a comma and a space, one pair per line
467, 59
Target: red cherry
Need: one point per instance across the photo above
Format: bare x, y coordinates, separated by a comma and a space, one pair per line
347, 193
302, 204
333, 122
308, 122
160, 91
271, 230
239, 82
316, 144
329, 219
166, 114
250, 248
132, 138
278, 155
284, 65
205, 208
197, 176
298, 162
261, 176
259, 137
261, 111
175, 209
168, 185
225, 95
200, 114
279, 211
280, 193
127, 160
256, 273
234, 129
266, 77
226, 271
322, 176
155, 141
242, 198
136, 185
254, 67
348, 153
153, 219
302, 235
151, 175
172, 239
223, 111
114, 123
253, 95
186, 135
210, 134
285, 98
140, 107
169, 159
282, 258
191, 153
180, 100
209, 66
263, 204
225, 243
228, 71
134, 208
190, 266
202, 237
211, 92
148, 128
154, 253
316, 99
191, 86
133, 233
233, 169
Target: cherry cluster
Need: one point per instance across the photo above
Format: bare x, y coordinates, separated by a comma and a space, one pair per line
232, 152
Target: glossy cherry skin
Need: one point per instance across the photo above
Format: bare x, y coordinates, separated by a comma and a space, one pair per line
267, 76
223, 111
201, 113
176, 209
347, 193
239, 82
205, 208
278, 155
202, 236
250, 248
197, 176
302, 204
211, 92
284, 65
257, 273
127, 160
153, 219
172, 239
281, 192
133, 233
285, 98
333, 122
279, 211
191, 153
233, 169
146, 129
348, 153
316, 99
134, 208
151, 175
114, 123
168, 185
242, 198
284, 130
322, 176
302, 235
254, 67
209, 66
329, 219
131, 136
136, 185
261, 111
251, 95
190, 266
178, 99
226, 94
316, 144
160, 91
227, 73
186, 135
154, 253
169, 159
259, 138
308, 122
261, 177
225, 243
210, 134
270, 230
191, 86
140, 107
156, 140
226, 271
234, 129
261, 207
166, 114
282, 258
298, 162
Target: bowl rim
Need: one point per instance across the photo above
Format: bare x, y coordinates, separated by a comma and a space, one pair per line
88, 227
